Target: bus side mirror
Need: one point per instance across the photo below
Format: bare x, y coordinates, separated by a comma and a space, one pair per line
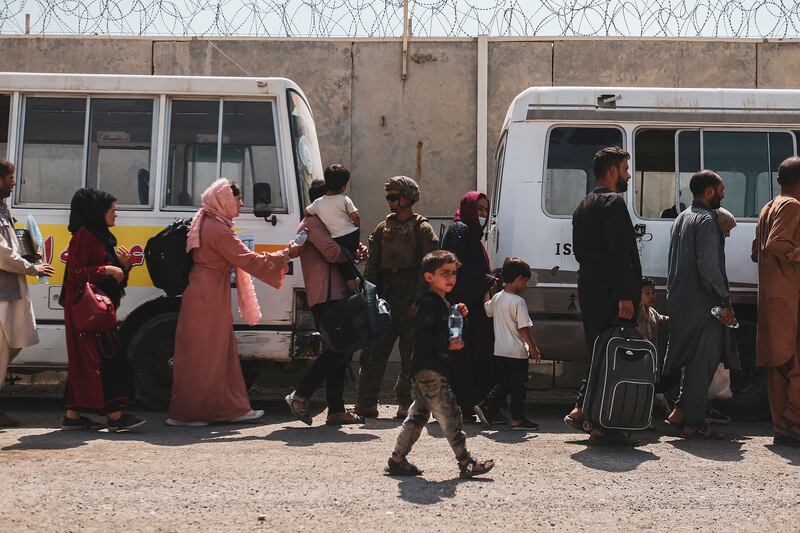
262, 198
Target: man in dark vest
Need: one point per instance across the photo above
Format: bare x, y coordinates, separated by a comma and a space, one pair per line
610, 274
396, 249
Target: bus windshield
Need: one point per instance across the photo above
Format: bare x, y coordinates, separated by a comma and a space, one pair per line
307, 163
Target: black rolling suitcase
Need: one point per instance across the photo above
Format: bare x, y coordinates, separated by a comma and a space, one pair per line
621, 385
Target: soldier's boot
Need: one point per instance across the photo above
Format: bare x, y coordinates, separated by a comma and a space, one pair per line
366, 395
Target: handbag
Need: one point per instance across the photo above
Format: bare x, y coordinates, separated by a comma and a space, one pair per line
93, 311
720, 388
359, 321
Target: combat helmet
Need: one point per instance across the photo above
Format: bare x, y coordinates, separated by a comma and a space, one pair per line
405, 185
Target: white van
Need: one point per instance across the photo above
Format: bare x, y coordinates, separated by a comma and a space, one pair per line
156, 143
544, 168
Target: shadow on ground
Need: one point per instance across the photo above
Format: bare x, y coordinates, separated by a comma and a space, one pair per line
421, 491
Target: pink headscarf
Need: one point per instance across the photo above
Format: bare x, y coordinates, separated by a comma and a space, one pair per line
220, 203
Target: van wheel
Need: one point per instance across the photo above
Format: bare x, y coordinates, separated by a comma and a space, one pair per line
152, 350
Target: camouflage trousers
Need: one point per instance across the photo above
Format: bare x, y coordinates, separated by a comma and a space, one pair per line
373, 362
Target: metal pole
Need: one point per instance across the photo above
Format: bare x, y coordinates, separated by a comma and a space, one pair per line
405, 39
482, 181
27, 24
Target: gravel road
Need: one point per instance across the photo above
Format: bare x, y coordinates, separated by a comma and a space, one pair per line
283, 476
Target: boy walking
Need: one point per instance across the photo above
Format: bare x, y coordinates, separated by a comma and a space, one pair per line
429, 387
513, 346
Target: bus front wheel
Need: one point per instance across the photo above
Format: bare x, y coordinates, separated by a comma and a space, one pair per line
151, 349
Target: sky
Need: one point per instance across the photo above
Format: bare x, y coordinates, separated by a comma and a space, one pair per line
379, 18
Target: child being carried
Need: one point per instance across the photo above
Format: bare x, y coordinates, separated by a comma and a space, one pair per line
340, 216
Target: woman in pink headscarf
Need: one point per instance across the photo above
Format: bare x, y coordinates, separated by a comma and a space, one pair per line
207, 384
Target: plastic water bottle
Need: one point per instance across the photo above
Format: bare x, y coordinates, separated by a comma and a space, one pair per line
717, 312
456, 323
300, 238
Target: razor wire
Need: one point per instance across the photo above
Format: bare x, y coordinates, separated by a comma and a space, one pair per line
384, 18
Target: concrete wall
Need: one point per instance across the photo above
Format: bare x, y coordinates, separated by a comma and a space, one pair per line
425, 127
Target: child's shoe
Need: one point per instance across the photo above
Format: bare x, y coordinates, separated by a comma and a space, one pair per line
475, 467
403, 468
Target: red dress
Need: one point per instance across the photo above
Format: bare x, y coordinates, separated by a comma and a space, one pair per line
99, 378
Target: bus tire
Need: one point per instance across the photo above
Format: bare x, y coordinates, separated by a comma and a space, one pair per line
151, 351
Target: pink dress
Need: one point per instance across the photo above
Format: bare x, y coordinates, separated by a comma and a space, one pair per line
207, 380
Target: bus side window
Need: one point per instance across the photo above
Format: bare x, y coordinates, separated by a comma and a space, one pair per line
120, 155
747, 160
250, 151
246, 152
570, 154
51, 163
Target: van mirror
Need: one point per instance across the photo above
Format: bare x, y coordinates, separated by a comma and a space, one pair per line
262, 198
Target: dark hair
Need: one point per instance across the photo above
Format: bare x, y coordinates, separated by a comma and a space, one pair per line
606, 158
6, 167
647, 282
336, 177
788, 172
316, 189
235, 188
437, 259
514, 267
702, 180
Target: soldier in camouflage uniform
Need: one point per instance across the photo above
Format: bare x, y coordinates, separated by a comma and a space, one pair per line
396, 249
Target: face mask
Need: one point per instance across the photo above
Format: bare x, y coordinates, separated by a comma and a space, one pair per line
482, 221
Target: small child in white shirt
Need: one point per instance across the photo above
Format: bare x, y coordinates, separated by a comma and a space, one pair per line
513, 346
340, 216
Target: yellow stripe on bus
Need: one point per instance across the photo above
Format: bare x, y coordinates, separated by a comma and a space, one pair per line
134, 238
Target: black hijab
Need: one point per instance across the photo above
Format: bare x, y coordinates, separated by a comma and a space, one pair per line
88, 210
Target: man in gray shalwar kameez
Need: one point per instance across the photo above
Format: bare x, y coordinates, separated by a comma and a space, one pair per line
697, 282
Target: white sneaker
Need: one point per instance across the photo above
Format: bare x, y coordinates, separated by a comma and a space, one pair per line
173, 422
248, 417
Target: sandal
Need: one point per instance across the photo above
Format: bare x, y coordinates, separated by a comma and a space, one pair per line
704, 433
403, 468
303, 414
475, 467
342, 419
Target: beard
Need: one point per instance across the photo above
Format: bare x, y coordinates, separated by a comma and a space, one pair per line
716, 202
622, 184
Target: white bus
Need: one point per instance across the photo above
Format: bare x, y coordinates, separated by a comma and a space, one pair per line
156, 143
544, 168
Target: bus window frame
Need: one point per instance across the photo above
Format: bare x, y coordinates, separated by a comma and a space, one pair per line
269, 99
700, 129
19, 109
499, 167
546, 158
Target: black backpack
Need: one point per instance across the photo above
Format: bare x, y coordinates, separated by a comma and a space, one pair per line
167, 260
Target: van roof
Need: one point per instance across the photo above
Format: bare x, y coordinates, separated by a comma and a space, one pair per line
635, 104
144, 84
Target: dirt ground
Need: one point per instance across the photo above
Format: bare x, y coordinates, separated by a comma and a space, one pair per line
280, 475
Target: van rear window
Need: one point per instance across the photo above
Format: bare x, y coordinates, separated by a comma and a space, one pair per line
568, 175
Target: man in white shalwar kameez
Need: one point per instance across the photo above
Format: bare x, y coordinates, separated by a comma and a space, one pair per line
17, 324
